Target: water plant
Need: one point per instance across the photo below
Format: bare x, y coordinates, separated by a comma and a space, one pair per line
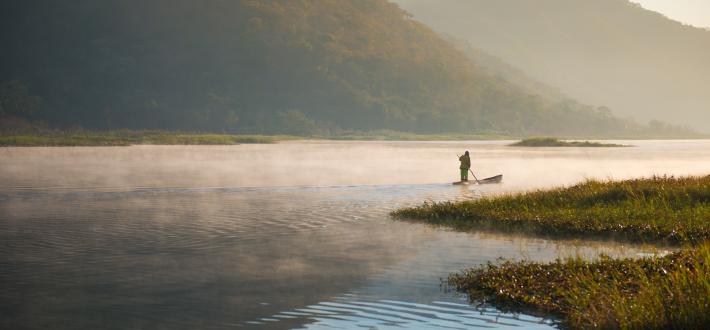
670, 292
657, 209
665, 292
554, 142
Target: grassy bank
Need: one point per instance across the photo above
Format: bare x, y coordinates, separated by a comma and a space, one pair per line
391, 135
554, 142
46, 137
126, 138
651, 293
658, 209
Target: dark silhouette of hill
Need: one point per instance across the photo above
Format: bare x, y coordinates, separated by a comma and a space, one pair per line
256, 66
605, 52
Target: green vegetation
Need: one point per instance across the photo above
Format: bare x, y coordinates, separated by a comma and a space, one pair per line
554, 142
42, 137
34, 137
649, 293
390, 135
658, 209
307, 68
671, 292
126, 138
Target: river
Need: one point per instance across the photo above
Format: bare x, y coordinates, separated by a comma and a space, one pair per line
287, 235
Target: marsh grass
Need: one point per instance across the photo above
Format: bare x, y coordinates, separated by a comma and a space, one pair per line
554, 142
670, 292
126, 138
391, 135
650, 293
658, 209
45, 137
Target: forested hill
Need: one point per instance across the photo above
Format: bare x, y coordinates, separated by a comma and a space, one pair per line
608, 52
257, 66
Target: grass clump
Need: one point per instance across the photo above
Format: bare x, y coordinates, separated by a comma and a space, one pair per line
648, 293
671, 292
126, 138
657, 209
554, 142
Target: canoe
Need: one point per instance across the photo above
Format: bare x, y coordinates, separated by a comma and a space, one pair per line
494, 179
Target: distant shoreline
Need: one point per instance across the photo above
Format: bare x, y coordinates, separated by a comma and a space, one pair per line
129, 138
119, 138
555, 142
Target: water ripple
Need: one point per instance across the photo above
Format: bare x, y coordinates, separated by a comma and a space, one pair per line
177, 257
350, 312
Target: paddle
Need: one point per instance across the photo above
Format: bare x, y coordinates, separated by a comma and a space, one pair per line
474, 176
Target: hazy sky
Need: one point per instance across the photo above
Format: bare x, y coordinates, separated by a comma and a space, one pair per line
693, 12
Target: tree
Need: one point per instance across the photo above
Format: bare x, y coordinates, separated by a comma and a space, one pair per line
15, 100
295, 122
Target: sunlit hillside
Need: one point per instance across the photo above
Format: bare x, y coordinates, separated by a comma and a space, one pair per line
605, 52
249, 66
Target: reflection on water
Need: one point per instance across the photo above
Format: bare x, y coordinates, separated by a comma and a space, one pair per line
349, 312
183, 237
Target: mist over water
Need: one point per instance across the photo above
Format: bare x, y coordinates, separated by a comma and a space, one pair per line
290, 235
328, 163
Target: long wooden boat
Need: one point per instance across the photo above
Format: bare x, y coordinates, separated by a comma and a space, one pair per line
494, 179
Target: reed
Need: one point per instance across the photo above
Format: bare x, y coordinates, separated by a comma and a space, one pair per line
126, 138
671, 292
657, 209
554, 142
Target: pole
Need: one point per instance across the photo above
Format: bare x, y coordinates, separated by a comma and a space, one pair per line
474, 176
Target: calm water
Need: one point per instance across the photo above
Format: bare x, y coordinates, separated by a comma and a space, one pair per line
292, 235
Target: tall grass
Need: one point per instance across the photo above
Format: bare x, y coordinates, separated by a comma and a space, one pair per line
390, 135
126, 138
554, 142
657, 209
671, 292
46, 137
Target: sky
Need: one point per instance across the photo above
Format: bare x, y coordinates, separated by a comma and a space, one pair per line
692, 12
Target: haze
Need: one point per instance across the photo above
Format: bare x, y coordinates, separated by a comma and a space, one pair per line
614, 53
692, 12
568, 68
328, 164
183, 164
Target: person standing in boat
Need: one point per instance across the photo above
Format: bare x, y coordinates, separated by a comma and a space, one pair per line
465, 166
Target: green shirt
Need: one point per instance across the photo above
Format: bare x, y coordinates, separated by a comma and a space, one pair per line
465, 162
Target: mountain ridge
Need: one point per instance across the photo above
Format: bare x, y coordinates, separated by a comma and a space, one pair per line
608, 52
254, 66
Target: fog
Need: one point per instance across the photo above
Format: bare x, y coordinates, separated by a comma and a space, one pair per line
605, 53
294, 234
326, 163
